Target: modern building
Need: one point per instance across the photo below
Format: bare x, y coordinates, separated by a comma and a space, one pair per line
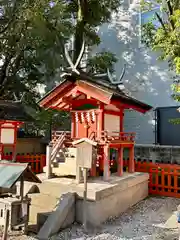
146, 78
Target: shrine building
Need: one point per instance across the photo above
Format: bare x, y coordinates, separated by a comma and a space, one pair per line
97, 110
12, 116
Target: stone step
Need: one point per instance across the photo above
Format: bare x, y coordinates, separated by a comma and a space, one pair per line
64, 216
35, 210
45, 201
64, 170
67, 168
42, 200
53, 189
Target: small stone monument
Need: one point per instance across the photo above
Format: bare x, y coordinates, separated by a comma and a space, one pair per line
85, 155
85, 149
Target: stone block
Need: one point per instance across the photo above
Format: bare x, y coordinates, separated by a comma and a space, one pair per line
114, 200
61, 217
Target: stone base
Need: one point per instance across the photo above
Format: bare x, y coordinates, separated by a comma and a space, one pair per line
113, 198
104, 199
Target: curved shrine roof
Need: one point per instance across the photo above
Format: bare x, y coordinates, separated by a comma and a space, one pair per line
104, 84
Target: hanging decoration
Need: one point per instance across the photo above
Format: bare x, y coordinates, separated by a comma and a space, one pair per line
85, 116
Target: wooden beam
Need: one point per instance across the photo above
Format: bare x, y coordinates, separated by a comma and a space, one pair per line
120, 105
119, 144
94, 92
65, 104
112, 112
65, 97
58, 97
80, 102
54, 93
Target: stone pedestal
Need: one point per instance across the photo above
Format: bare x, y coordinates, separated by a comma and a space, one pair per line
114, 198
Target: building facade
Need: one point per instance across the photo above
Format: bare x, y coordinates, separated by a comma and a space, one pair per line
146, 78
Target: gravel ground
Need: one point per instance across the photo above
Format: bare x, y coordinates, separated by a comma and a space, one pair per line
138, 223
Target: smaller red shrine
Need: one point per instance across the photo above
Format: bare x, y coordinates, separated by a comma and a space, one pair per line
12, 115
97, 112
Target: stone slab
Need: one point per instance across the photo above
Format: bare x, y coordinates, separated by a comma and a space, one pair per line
114, 200
105, 199
57, 219
98, 188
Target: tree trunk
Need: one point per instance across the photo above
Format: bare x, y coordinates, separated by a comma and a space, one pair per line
80, 29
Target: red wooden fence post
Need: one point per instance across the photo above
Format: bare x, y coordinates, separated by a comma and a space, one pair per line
131, 160
120, 161
106, 163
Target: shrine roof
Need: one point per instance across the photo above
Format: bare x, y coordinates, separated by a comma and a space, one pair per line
11, 173
118, 94
104, 84
13, 111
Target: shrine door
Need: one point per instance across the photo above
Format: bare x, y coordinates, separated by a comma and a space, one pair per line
85, 124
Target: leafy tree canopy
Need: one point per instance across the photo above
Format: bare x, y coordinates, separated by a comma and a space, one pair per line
32, 38
164, 37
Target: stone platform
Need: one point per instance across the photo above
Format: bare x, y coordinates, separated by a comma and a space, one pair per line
105, 199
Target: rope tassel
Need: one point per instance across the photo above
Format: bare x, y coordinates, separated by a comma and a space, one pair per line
82, 117
88, 117
93, 116
76, 116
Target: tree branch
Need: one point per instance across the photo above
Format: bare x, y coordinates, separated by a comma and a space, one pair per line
80, 28
170, 10
161, 22
12, 18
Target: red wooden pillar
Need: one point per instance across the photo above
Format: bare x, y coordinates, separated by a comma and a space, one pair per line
1, 152
106, 173
100, 121
131, 160
73, 125
93, 169
15, 143
120, 161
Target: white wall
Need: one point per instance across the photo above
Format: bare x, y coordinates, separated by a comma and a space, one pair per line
111, 123
147, 79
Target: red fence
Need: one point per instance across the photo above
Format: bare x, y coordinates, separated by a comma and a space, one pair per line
164, 179
35, 161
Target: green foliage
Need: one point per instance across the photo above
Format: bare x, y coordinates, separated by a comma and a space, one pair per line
30, 51
45, 120
32, 38
101, 62
165, 39
175, 121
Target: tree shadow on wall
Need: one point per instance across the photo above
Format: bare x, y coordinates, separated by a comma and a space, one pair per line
146, 78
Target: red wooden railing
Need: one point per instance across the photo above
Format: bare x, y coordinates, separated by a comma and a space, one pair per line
120, 136
57, 134
35, 161
164, 179
57, 145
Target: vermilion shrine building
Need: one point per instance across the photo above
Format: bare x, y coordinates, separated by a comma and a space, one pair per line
12, 116
97, 112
